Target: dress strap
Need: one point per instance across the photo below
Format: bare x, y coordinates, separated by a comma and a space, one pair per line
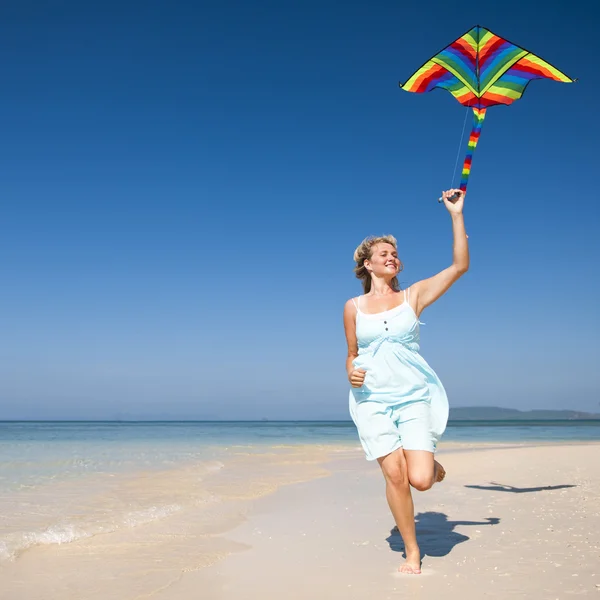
407, 295
357, 303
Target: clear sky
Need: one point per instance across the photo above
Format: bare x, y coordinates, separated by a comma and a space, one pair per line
183, 185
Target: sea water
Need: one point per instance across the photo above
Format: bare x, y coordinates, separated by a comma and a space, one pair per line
64, 481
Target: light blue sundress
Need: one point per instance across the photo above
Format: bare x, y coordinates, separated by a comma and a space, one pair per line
402, 402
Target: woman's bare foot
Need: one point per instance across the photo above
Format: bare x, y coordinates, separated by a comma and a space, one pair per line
439, 471
412, 565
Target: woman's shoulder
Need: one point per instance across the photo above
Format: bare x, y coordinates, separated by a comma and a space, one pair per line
352, 303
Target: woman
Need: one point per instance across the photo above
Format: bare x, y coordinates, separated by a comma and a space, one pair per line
397, 402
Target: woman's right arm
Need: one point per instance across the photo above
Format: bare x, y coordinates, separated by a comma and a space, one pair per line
355, 376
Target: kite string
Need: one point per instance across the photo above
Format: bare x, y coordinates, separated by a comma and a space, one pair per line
459, 147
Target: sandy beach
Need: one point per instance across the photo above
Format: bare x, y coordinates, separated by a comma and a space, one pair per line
512, 520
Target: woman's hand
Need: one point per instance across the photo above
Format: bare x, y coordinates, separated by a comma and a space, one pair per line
357, 377
454, 206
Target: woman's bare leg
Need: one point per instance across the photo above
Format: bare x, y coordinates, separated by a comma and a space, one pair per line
423, 470
397, 491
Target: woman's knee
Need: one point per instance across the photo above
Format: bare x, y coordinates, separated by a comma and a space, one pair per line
421, 480
395, 469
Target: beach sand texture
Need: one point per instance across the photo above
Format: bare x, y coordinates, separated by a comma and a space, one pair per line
516, 521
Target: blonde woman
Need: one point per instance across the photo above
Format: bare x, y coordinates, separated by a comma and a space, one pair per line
397, 402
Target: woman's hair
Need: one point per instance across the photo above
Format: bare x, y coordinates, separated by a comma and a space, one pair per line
364, 252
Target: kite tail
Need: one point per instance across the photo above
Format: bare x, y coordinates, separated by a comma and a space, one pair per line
478, 117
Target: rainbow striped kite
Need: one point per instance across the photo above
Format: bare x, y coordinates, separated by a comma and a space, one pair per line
481, 70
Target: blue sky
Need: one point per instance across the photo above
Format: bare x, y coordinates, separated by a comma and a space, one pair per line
183, 185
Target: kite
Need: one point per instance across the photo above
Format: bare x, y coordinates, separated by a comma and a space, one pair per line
481, 69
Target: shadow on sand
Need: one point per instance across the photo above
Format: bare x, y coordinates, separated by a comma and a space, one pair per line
435, 534
501, 487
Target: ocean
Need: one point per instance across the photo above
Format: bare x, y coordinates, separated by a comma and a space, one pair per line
64, 481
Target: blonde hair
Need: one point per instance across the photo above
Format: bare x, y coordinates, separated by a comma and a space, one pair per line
365, 252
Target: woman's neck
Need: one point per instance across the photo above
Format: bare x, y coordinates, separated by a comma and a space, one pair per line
380, 288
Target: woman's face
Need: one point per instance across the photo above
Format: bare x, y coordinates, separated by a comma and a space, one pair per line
384, 261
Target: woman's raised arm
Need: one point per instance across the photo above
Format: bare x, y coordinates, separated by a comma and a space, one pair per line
427, 291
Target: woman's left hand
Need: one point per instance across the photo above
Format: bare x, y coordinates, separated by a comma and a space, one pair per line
454, 206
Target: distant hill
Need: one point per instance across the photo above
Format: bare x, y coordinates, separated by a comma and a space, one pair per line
495, 413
